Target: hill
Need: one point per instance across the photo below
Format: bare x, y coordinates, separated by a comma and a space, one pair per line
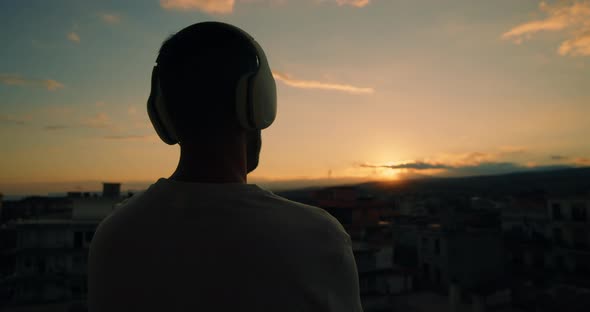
561, 182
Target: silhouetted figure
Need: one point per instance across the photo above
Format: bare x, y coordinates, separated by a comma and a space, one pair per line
203, 239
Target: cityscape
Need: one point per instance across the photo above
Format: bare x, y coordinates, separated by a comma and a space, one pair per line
428, 245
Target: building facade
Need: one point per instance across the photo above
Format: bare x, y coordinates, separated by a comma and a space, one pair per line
570, 234
44, 250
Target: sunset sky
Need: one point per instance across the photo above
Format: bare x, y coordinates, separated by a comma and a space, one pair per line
368, 89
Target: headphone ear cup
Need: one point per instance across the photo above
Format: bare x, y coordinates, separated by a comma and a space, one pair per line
262, 93
155, 118
244, 102
263, 98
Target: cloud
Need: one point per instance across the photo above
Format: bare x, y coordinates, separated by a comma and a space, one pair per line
418, 165
74, 37
110, 18
51, 85
512, 150
483, 168
571, 17
503, 153
582, 161
558, 157
578, 161
132, 110
354, 3
474, 158
55, 127
578, 46
100, 120
11, 119
319, 85
130, 137
208, 6
227, 6
17, 80
504, 160
488, 168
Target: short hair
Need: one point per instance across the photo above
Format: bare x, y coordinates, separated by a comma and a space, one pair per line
199, 68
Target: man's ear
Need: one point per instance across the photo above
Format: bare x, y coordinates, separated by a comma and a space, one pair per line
253, 147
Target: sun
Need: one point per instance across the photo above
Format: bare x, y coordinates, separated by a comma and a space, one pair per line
389, 174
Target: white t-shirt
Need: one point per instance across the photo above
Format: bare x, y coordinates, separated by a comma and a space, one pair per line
183, 246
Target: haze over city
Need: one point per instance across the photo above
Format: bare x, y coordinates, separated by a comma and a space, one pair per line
368, 89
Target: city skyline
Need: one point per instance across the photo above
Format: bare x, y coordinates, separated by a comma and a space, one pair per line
377, 90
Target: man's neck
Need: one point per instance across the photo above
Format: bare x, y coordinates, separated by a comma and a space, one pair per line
217, 162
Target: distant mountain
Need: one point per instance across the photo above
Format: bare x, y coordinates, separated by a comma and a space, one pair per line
571, 181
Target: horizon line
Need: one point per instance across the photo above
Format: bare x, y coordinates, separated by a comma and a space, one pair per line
287, 184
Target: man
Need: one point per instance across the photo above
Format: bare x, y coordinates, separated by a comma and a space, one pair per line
203, 239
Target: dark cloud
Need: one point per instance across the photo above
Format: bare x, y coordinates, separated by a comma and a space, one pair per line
482, 168
558, 157
13, 119
486, 168
419, 165
128, 137
55, 127
97, 121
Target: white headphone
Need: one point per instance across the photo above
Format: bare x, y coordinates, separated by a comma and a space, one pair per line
256, 96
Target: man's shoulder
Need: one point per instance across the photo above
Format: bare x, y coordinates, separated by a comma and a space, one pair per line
314, 211
114, 226
260, 206
314, 217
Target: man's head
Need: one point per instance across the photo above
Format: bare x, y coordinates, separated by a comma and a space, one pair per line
212, 80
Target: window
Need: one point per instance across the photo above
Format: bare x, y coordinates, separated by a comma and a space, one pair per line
437, 246
424, 242
77, 259
539, 260
372, 284
426, 270
558, 235
582, 265
518, 260
78, 239
559, 263
579, 212
556, 208
41, 267
437, 276
580, 238
88, 236
517, 228
76, 291
27, 262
